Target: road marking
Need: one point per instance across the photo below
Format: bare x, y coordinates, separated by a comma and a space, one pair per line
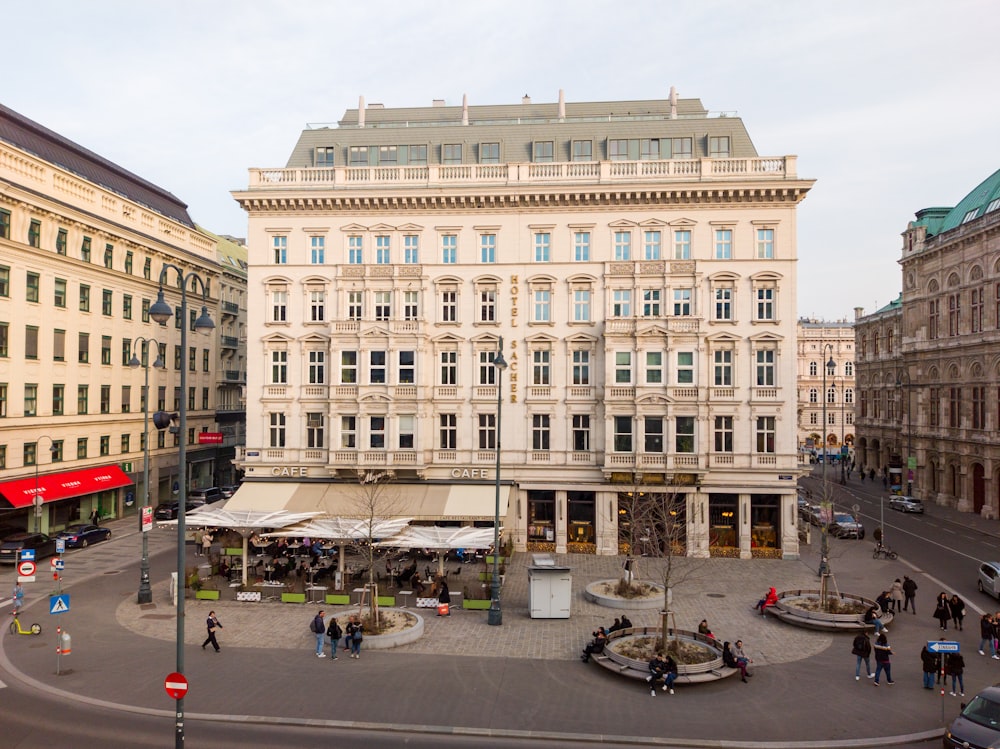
2, 685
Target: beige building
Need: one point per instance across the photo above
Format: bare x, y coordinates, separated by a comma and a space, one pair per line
633, 261
82, 244
821, 342
929, 363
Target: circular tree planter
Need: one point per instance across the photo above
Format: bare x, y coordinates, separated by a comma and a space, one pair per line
628, 652
802, 608
412, 631
602, 592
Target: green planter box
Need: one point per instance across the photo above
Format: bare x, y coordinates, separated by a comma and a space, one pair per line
207, 595
293, 597
234, 551
385, 600
338, 599
475, 603
489, 559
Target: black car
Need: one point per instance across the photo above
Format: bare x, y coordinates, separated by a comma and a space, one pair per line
979, 722
205, 496
10, 549
83, 535
168, 511
845, 525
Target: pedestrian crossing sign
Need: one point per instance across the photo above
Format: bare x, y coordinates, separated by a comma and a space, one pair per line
59, 604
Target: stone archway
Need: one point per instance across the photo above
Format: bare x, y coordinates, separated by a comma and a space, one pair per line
978, 487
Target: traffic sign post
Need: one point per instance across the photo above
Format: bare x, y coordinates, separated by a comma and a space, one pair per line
176, 685
943, 646
59, 604
26, 571
60, 546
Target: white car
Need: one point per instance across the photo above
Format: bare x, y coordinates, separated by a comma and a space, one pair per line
989, 578
906, 504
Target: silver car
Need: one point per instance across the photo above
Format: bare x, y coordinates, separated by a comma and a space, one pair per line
989, 578
906, 504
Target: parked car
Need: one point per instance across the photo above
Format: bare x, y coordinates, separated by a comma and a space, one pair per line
228, 491
979, 722
906, 504
813, 513
83, 535
12, 546
845, 525
989, 578
205, 496
168, 511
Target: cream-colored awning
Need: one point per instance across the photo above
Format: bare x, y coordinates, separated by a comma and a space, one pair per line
262, 496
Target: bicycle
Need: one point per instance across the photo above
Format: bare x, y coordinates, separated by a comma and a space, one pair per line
884, 552
17, 629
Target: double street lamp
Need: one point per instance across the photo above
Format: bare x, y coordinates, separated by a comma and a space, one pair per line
145, 590
495, 614
903, 380
826, 512
161, 312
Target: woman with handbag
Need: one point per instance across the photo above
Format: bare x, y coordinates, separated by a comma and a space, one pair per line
355, 636
956, 607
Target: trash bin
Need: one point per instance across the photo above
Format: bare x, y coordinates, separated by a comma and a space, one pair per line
550, 588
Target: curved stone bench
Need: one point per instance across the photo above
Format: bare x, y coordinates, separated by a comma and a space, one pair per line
696, 673
822, 620
614, 602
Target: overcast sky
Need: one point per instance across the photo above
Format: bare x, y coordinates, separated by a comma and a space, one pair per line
891, 106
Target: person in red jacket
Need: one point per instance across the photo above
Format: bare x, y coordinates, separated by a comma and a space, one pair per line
770, 598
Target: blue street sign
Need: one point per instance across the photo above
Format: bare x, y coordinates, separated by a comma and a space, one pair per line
943, 646
27, 555
60, 546
60, 564
59, 604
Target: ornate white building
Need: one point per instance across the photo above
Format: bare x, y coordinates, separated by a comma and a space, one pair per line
819, 343
635, 263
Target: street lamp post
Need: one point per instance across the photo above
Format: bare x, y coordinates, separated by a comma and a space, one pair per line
843, 452
161, 312
827, 518
495, 614
900, 383
145, 590
37, 501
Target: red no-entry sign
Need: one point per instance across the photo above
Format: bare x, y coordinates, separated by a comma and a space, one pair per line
26, 569
176, 685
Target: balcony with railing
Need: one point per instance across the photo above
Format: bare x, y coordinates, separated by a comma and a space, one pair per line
229, 341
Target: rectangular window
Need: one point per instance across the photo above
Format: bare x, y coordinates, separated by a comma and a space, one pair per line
4, 281
144, 316
355, 304
81, 448
4, 340
31, 342
348, 367
542, 305
451, 153
618, 150
82, 399
581, 432
621, 303
718, 147
487, 431
583, 150
109, 256
411, 305
279, 306
449, 306
317, 306
682, 302
279, 368
147, 268
279, 249
448, 431
388, 155
543, 151
127, 306
85, 250
765, 368
723, 434
126, 443
765, 303
62, 239
654, 367
35, 233
192, 360
489, 153
107, 302
376, 368
317, 250
58, 399
449, 249
954, 407
204, 399
684, 434
449, 368
383, 250
540, 431
581, 367
765, 244
543, 247
487, 248
177, 357
3, 400
623, 367
651, 245
682, 244
32, 287
349, 432
4, 224
723, 303
765, 434
383, 305
722, 368
83, 348
105, 349
276, 430
685, 367
355, 250
649, 149
976, 308
723, 244
581, 305
540, 368
407, 368
411, 249
126, 399
204, 360
315, 438
581, 246
487, 372
623, 434
59, 292
30, 399
487, 305
978, 407
129, 259
623, 245
105, 399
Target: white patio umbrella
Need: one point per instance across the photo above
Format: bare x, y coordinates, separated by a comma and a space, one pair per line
441, 539
244, 522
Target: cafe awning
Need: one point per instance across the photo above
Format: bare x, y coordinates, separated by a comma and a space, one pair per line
55, 486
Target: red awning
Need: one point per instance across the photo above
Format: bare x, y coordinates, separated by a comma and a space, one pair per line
56, 486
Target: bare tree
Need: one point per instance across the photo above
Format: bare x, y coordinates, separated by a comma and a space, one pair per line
375, 498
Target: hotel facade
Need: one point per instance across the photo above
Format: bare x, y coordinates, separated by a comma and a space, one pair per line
634, 262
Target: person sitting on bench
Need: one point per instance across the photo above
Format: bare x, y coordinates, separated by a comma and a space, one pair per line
596, 645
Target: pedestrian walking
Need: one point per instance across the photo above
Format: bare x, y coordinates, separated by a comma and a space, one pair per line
885, 481
18, 598
862, 648
861, 474
334, 632
206, 542
929, 666
896, 595
957, 608
871, 475
318, 628
355, 634
986, 628
954, 665
882, 655
942, 611
95, 516
909, 594
211, 624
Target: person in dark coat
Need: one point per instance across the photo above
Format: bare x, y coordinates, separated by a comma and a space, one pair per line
942, 611
909, 594
954, 665
957, 608
862, 648
929, 665
986, 627
596, 645
882, 655
444, 595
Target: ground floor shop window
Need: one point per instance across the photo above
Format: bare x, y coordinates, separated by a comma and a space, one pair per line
765, 516
722, 516
580, 517
652, 523
542, 516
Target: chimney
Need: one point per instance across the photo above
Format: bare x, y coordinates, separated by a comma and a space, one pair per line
673, 103
859, 312
465, 109
526, 99
562, 106
437, 103
361, 111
